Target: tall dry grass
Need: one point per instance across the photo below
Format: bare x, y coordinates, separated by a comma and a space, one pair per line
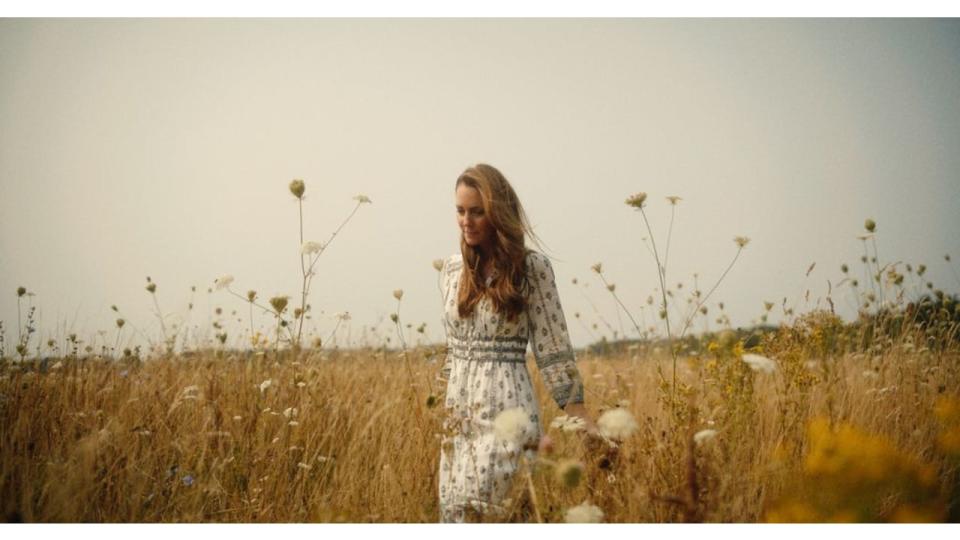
335, 437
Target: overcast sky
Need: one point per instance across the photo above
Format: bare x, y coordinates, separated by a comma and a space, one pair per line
131, 148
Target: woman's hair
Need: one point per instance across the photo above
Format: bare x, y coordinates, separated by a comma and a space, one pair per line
508, 251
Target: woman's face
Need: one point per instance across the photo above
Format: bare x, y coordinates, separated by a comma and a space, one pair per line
471, 217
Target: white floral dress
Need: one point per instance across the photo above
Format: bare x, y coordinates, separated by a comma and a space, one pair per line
486, 374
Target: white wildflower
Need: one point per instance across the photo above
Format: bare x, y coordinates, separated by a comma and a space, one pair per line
237, 418
617, 424
704, 435
309, 248
304, 466
293, 423
584, 513
265, 384
290, 412
514, 426
223, 282
760, 363
568, 423
301, 384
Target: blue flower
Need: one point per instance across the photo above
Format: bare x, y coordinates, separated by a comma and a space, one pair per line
188, 480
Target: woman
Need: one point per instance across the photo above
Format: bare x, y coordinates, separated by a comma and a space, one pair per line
498, 296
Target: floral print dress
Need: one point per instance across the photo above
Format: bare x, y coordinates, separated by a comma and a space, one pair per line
486, 374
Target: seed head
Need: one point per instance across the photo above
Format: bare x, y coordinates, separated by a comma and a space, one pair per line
921, 268
513, 426
598, 268
394, 317
870, 225
398, 294
363, 199
584, 513
673, 200
279, 303
120, 323
611, 287
844, 268
223, 282
297, 187
251, 295
21, 291
705, 435
309, 248
151, 287
569, 473
636, 200
741, 241
438, 264
617, 424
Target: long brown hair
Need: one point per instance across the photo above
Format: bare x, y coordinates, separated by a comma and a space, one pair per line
507, 250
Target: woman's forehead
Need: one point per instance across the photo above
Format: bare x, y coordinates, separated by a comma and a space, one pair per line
468, 196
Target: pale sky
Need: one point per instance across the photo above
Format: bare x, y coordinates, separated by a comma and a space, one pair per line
131, 148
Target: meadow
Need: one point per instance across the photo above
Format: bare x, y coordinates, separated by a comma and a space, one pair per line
814, 420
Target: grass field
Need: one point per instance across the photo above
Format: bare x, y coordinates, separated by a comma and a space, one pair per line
830, 434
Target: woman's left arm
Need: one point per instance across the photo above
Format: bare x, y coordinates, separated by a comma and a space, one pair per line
550, 340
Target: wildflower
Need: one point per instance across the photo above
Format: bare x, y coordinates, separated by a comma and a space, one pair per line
870, 225
237, 418
704, 435
398, 294
363, 199
279, 303
673, 200
569, 473
760, 363
513, 426
188, 480
21, 291
343, 315
598, 268
297, 187
741, 241
293, 423
120, 323
290, 412
304, 466
223, 282
636, 200
568, 423
301, 384
265, 384
584, 513
438, 264
58, 365
309, 248
617, 424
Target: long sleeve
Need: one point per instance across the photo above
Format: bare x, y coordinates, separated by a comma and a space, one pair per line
549, 338
444, 286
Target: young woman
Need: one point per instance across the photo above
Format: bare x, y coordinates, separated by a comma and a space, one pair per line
498, 297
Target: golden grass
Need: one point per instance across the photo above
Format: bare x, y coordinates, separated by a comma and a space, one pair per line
96, 441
